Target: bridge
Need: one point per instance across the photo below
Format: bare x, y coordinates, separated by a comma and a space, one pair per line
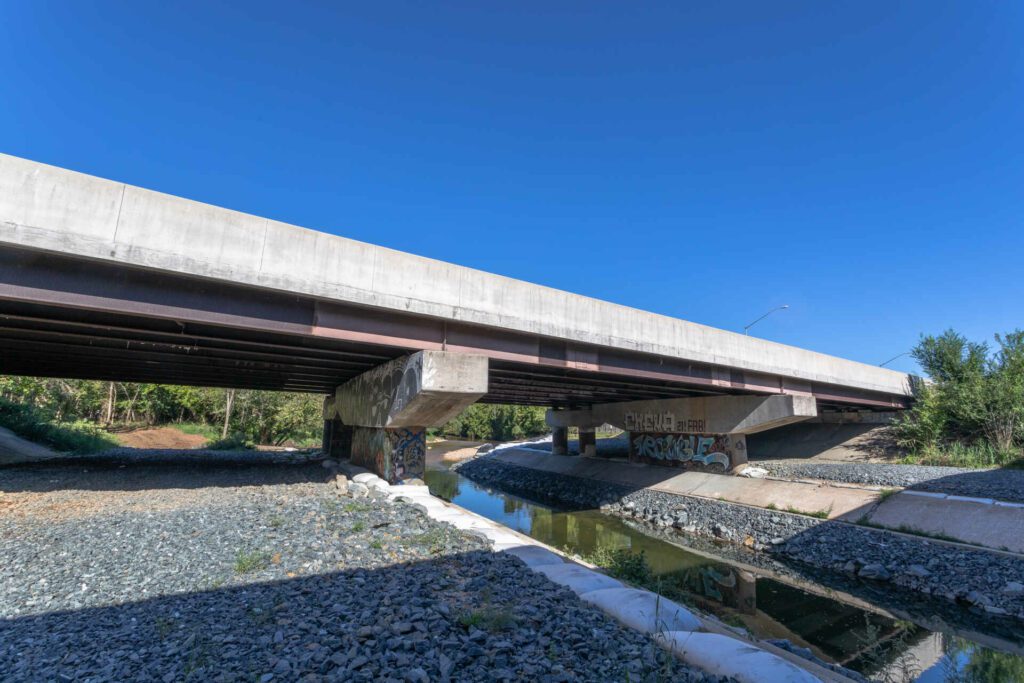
104, 280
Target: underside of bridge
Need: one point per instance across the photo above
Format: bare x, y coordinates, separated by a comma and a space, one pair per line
77, 318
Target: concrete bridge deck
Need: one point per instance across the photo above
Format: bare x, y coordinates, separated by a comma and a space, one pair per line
104, 280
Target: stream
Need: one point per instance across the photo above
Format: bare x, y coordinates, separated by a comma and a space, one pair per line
835, 627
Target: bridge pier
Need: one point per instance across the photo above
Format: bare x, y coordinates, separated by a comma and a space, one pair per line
560, 441
705, 432
379, 419
588, 441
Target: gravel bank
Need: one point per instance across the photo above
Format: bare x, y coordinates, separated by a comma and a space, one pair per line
1002, 484
260, 571
988, 582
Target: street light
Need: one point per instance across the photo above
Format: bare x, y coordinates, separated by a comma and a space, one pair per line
779, 308
905, 353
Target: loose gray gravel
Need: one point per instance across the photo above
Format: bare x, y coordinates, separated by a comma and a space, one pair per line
989, 583
1001, 484
262, 572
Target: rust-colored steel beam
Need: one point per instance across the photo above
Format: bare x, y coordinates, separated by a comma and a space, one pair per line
105, 314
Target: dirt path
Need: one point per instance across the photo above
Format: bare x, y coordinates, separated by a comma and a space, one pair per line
14, 449
160, 437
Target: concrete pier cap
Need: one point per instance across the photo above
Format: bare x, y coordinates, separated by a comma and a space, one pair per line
386, 410
693, 431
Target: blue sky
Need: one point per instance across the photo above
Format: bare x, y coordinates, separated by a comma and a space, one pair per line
862, 162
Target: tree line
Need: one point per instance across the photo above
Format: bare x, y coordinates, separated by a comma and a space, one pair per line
76, 415
497, 422
264, 417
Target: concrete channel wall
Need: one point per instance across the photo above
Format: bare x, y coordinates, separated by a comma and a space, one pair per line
52, 209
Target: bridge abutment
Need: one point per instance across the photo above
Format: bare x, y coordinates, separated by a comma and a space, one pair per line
379, 419
703, 433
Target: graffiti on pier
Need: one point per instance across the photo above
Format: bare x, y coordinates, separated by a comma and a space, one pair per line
395, 454
687, 450
666, 421
408, 452
375, 396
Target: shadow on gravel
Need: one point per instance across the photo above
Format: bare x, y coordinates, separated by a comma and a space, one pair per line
466, 616
1005, 484
146, 470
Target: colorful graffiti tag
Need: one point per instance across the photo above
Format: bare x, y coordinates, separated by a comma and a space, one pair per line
408, 452
687, 449
395, 454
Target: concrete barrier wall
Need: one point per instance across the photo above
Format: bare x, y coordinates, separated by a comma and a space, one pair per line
48, 208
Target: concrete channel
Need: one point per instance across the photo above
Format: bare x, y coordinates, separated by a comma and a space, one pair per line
838, 619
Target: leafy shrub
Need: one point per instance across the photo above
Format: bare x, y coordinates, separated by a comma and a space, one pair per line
33, 424
234, 442
972, 412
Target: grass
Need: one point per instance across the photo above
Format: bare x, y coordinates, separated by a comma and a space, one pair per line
377, 544
817, 514
488, 618
276, 522
433, 539
197, 428
254, 561
886, 494
71, 437
358, 526
633, 568
622, 563
976, 455
163, 626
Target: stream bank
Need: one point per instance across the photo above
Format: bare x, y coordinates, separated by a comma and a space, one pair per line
789, 555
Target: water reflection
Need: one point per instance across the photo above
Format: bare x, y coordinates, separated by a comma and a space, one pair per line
873, 644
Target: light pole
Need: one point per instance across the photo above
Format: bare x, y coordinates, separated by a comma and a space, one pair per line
905, 353
779, 308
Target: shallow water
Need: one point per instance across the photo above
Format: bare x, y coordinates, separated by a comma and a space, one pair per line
853, 635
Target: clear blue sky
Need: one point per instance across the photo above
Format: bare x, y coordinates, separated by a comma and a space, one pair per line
860, 161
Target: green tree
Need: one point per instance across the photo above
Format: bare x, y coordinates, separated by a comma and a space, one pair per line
497, 422
975, 397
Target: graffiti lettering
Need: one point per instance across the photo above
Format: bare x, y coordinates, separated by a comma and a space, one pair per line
686, 449
661, 422
681, 448
691, 426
